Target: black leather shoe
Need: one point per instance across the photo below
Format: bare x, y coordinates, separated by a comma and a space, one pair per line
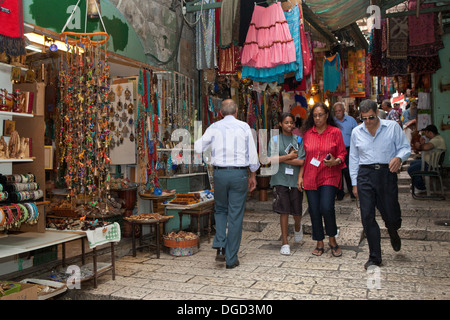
220, 254
233, 265
371, 263
396, 242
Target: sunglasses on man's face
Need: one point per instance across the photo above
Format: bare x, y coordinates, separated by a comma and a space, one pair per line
368, 118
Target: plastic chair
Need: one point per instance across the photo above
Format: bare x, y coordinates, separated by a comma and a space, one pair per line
435, 158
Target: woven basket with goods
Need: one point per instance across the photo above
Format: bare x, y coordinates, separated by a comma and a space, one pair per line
181, 239
143, 217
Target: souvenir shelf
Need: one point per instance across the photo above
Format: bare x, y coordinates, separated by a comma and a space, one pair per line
29, 125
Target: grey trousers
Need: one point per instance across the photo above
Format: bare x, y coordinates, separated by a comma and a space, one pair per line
230, 193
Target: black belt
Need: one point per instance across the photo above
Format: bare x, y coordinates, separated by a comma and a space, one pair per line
231, 168
375, 166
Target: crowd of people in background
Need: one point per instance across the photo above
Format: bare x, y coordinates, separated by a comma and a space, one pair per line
317, 157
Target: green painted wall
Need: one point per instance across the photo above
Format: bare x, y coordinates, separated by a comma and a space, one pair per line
53, 14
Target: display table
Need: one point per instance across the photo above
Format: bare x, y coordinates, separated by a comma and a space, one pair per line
157, 245
152, 197
156, 223
14, 244
198, 210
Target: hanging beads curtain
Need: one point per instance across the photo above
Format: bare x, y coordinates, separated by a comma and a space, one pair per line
84, 113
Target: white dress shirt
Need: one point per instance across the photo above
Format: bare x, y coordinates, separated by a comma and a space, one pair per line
231, 142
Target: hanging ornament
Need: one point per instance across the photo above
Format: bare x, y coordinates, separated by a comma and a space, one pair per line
127, 94
111, 96
130, 108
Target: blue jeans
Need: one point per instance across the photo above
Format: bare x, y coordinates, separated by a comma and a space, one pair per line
321, 206
417, 182
230, 193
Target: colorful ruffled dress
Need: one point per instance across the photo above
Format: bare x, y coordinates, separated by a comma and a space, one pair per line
269, 49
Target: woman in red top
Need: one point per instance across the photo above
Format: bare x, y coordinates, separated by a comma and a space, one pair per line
321, 174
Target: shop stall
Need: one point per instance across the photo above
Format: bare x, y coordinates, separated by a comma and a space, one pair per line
88, 137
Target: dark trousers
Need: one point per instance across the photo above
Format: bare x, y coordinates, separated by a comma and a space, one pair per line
378, 189
321, 206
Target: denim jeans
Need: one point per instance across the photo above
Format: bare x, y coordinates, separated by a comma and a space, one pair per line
321, 206
417, 182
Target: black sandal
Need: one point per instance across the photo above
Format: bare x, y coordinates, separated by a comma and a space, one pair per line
334, 249
319, 250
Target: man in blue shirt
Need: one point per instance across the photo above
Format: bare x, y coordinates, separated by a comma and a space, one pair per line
377, 150
346, 124
409, 120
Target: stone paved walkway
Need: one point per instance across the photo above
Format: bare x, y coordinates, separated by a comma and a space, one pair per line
420, 271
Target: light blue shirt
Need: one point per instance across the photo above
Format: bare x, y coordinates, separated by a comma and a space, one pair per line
407, 116
346, 127
389, 142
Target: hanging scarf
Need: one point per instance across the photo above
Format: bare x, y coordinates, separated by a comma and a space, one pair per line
11, 31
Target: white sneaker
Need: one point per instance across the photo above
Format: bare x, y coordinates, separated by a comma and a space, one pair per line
285, 250
298, 236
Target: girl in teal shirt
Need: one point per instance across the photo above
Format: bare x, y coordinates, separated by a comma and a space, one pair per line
287, 199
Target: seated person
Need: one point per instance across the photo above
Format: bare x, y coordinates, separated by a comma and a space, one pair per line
436, 142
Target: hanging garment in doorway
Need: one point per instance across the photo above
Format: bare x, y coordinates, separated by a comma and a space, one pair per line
269, 42
332, 73
205, 39
293, 19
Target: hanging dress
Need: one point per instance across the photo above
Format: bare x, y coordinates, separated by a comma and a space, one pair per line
205, 39
269, 42
293, 19
331, 73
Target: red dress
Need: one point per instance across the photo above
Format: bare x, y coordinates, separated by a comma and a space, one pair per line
318, 146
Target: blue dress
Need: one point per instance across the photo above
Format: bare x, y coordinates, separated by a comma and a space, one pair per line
332, 73
293, 20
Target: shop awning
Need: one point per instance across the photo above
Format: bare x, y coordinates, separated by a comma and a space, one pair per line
338, 14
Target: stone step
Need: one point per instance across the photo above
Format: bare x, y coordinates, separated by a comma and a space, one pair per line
350, 228
409, 206
421, 220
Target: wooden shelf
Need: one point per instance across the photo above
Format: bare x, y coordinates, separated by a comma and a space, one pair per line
2, 64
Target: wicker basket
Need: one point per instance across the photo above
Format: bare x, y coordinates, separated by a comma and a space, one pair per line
180, 243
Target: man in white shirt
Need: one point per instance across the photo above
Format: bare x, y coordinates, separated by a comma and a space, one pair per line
235, 160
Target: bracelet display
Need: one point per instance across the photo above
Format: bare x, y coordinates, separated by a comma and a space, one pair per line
16, 192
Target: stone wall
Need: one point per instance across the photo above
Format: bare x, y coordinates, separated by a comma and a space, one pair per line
158, 23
